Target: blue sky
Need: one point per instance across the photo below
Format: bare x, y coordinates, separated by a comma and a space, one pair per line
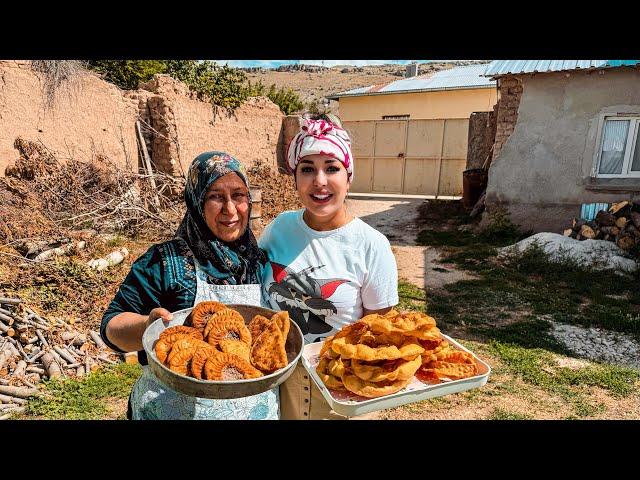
326, 63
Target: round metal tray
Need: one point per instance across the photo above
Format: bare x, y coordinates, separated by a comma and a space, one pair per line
222, 389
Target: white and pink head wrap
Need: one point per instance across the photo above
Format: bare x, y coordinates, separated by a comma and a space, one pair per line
324, 138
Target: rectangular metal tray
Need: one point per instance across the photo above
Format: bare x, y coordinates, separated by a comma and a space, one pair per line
351, 405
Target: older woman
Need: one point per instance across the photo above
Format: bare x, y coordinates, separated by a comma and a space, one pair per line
214, 256
327, 268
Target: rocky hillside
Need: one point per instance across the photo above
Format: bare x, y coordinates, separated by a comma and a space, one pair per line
314, 82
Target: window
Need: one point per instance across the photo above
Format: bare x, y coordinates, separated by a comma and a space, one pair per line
395, 117
619, 154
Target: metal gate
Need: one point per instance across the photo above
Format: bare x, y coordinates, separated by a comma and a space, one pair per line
415, 157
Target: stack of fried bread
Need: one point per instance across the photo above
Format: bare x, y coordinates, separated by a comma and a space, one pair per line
216, 344
380, 354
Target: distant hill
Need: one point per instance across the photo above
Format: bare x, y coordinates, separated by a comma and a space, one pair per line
314, 82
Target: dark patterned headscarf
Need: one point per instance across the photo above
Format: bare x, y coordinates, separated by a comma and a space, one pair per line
234, 263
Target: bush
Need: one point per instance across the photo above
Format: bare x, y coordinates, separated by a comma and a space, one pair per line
222, 85
288, 100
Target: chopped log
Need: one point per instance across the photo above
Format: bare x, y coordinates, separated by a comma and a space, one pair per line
50, 365
34, 369
96, 339
10, 301
621, 222
7, 319
8, 314
27, 382
20, 392
605, 219
106, 359
616, 207
577, 224
8, 331
63, 250
11, 412
20, 369
36, 356
72, 365
635, 218
64, 354
567, 232
10, 399
87, 364
80, 371
625, 241
587, 232
42, 339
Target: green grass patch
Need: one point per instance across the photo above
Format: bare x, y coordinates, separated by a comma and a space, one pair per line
538, 367
411, 297
86, 398
502, 414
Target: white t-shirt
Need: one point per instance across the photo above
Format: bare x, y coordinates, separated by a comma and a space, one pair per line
324, 279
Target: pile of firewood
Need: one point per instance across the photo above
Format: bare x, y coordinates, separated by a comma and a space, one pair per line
620, 224
33, 348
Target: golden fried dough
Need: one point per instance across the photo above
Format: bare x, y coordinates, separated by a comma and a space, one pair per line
454, 371
268, 352
219, 317
386, 371
180, 361
364, 352
200, 358
370, 389
236, 347
256, 326
180, 330
283, 322
322, 369
227, 366
202, 312
228, 327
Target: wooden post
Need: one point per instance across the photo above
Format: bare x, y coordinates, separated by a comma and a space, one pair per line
147, 162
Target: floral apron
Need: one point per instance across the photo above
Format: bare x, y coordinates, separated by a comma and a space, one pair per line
152, 400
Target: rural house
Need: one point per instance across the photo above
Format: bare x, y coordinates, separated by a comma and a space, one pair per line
567, 134
410, 136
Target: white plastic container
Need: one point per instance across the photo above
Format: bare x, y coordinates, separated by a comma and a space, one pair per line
351, 405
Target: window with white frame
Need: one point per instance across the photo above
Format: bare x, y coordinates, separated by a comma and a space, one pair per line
619, 154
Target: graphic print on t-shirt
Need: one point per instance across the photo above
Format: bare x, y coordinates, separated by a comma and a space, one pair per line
305, 298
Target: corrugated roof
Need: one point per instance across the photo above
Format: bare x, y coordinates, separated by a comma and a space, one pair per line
471, 76
505, 67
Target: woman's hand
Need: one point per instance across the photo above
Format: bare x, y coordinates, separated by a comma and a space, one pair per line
157, 313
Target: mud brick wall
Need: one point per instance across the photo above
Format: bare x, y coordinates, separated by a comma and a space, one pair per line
482, 133
510, 89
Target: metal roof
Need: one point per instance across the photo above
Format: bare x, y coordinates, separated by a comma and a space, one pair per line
513, 67
471, 76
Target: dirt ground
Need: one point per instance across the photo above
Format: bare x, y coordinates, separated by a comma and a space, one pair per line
397, 219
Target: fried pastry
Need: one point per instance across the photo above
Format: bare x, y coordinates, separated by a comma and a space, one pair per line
283, 322
200, 358
370, 389
331, 381
180, 330
202, 312
256, 326
227, 366
236, 347
228, 327
453, 371
180, 361
219, 317
364, 352
183, 343
388, 371
268, 353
